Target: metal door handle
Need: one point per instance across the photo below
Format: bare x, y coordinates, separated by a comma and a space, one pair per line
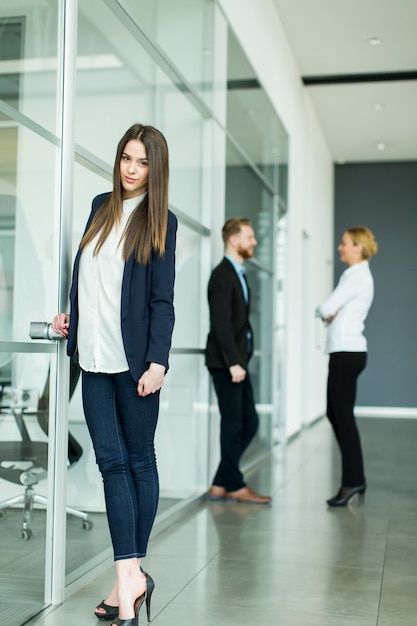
43, 330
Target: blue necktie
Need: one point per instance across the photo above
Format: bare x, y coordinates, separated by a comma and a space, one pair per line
244, 284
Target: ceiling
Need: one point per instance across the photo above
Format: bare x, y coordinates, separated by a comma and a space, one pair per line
358, 60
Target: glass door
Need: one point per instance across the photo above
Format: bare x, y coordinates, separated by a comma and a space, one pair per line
25, 418
34, 375
28, 370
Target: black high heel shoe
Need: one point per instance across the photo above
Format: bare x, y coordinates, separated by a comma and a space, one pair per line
345, 494
111, 612
150, 586
132, 621
145, 597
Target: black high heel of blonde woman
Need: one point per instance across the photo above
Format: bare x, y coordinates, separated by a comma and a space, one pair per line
346, 494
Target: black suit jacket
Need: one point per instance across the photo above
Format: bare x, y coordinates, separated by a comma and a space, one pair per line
146, 311
227, 341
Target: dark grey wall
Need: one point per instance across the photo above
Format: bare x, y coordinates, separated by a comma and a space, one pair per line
383, 196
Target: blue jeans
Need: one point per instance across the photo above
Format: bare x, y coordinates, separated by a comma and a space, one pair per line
122, 427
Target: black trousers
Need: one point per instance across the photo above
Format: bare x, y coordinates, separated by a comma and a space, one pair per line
344, 369
238, 426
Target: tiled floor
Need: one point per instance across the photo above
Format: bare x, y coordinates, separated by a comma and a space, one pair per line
295, 563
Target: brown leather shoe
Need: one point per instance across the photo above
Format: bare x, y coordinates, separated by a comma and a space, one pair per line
245, 494
217, 493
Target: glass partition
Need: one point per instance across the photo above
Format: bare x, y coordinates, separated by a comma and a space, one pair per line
28, 59
184, 31
120, 83
29, 186
182, 433
256, 187
247, 195
251, 118
24, 424
27, 207
190, 293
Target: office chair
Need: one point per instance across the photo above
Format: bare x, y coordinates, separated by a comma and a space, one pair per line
32, 456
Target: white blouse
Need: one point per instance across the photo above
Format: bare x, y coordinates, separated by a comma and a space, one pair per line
99, 338
349, 302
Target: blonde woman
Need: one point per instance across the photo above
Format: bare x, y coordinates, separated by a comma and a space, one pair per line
344, 313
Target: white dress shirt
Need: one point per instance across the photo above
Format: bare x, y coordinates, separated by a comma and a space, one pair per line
350, 303
99, 339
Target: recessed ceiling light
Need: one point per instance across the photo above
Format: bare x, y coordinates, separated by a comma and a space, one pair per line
380, 146
375, 41
378, 106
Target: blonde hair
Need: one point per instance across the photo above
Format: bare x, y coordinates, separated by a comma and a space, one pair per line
361, 235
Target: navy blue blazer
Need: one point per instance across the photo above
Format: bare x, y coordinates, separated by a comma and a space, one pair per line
146, 311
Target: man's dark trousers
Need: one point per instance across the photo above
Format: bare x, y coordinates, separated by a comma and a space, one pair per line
239, 423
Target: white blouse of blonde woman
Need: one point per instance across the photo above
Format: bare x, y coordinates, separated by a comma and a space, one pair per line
346, 308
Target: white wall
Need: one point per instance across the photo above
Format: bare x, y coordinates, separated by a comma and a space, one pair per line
310, 202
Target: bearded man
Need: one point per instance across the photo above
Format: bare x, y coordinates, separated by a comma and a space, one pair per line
229, 348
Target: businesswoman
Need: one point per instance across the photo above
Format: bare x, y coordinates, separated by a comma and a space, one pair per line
344, 313
120, 323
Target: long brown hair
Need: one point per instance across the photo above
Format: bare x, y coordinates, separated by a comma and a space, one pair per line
146, 227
